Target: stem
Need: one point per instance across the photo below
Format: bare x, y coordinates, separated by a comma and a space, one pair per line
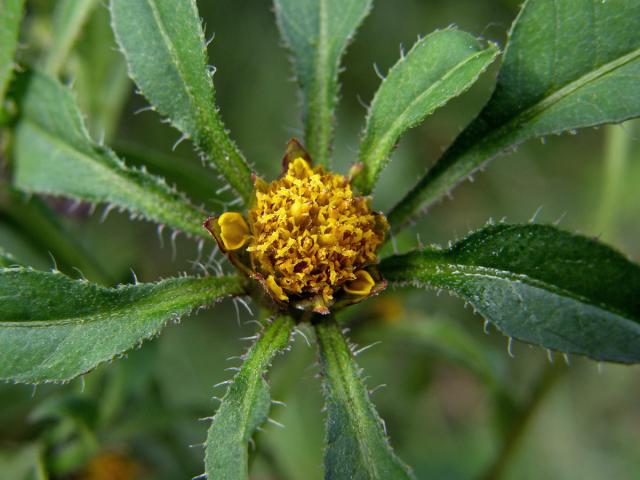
618, 149
522, 419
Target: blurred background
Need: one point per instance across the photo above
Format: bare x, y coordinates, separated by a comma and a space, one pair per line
457, 405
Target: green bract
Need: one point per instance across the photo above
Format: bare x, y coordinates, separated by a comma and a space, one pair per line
567, 64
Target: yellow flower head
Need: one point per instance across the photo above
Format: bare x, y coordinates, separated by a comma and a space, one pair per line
307, 235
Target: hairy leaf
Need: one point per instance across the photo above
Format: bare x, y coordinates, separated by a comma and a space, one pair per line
54, 328
317, 32
245, 406
10, 20
55, 155
164, 45
438, 67
568, 64
68, 19
356, 442
540, 285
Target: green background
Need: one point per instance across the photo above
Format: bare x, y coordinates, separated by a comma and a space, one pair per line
443, 419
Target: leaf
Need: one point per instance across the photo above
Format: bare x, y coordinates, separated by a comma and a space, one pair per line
540, 285
317, 33
55, 155
245, 406
100, 77
53, 328
438, 67
24, 461
356, 442
69, 17
164, 45
12, 11
568, 64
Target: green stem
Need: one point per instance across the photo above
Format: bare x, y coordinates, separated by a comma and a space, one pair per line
618, 150
521, 420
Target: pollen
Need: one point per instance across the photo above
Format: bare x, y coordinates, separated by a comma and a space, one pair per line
311, 236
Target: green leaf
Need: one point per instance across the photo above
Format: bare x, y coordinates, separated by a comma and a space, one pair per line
55, 155
164, 45
100, 76
540, 285
438, 67
317, 33
245, 406
568, 64
23, 462
356, 444
53, 328
10, 20
68, 19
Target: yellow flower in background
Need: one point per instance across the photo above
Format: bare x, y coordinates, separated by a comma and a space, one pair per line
112, 466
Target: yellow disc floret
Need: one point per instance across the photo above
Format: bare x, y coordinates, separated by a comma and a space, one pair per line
311, 235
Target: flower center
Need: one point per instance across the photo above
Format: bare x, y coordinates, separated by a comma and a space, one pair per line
311, 235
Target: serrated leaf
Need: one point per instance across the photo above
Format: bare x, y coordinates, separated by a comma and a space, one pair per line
356, 443
245, 406
55, 155
540, 285
317, 32
69, 17
164, 45
439, 67
10, 19
568, 64
54, 328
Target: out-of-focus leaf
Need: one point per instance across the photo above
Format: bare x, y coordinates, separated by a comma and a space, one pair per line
439, 67
10, 20
568, 64
24, 463
53, 328
164, 45
100, 76
356, 443
55, 155
317, 32
540, 285
69, 18
245, 406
